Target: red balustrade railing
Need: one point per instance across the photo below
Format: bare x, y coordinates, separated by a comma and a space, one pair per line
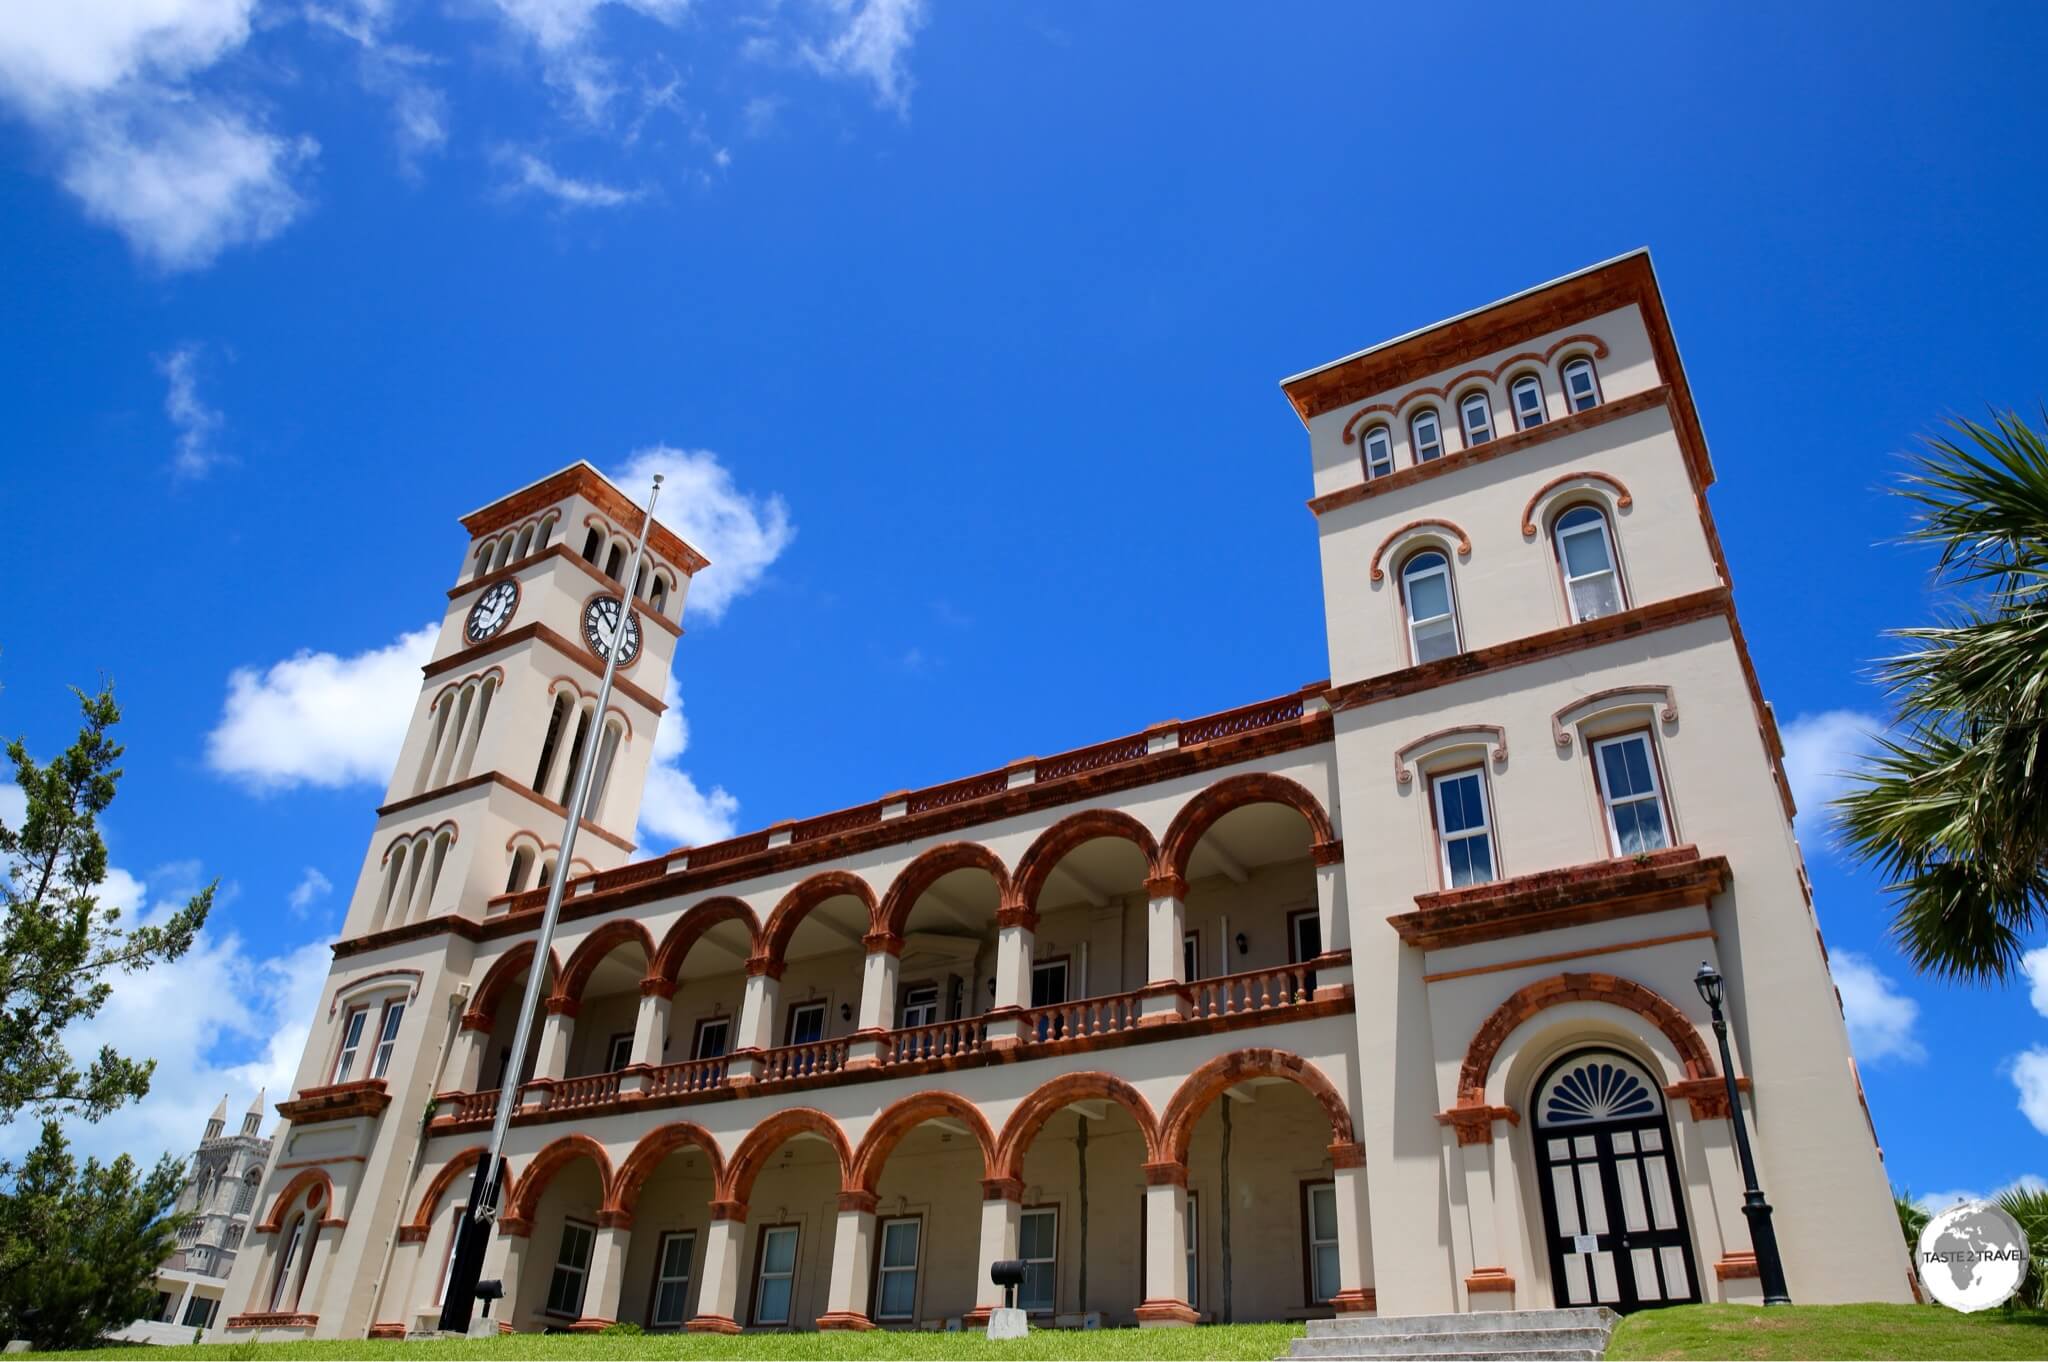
589, 1091
1113, 753
832, 824
957, 792
731, 849
803, 1061
692, 1075
1241, 720
938, 1040
1084, 1017
1260, 990
472, 1106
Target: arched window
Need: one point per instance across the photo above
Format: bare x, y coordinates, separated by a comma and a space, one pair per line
575, 755
1585, 555
547, 532
503, 555
615, 562
557, 717
1581, 385
1432, 613
593, 545
1426, 436
522, 866
525, 544
657, 595
1379, 452
483, 560
394, 873
1527, 393
547, 873
281, 1277
1476, 414
606, 752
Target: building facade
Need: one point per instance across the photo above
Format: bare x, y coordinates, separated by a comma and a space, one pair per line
220, 1190
1374, 995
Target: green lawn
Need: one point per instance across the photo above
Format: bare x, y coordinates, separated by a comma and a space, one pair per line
1828, 1331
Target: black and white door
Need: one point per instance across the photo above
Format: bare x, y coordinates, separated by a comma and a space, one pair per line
1613, 1210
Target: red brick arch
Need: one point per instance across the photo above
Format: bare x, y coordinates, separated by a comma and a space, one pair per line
922, 873
592, 950
798, 902
554, 1156
1202, 1087
1199, 814
699, 918
415, 1231
503, 972
1622, 499
1058, 1093
900, 1118
304, 1180
623, 1195
1064, 836
1568, 988
764, 1139
1400, 536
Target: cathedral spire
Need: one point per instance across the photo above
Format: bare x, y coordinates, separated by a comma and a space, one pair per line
252, 1121
219, 1120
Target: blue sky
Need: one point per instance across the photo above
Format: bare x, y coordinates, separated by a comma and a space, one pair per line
960, 325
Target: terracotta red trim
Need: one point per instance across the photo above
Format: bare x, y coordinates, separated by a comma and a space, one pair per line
1596, 347
568, 648
1211, 803
1564, 988
1170, 1173
560, 549
893, 914
1708, 1097
1208, 1082
1558, 957
1165, 1311
275, 1319
1489, 1279
460, 1162
584, 481
591, 951
1054, 1096
690, 928
844, 1320
1051, 847
764, 1139
1622, 499
1474, 1124
312, 1179
336, 1102
387, 1329
1498, 746
1737, 1263
499, 778
1464, 544
713, 1324
508, 967
798, 903
1597, 892
1562, 724
522, 1199
898, 1119
1355, 1301
623, 1192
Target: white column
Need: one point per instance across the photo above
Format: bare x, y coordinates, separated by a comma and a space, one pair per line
1002, 1214
184, 1300
1333, 917
757, 1021
507, 1253
1354, 1234
650, 1034
853, 1246
718, 1297
607, 1275
557, 1029
1166, 1251
1163, 998
1016, 928
466, 1068
877, 1000
1489, 1285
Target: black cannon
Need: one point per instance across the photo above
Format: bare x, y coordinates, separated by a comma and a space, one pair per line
488, 1291
1008, 1273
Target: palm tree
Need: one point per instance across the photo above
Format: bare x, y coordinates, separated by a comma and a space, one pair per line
1952, 807
2029, 1206
1912, 1219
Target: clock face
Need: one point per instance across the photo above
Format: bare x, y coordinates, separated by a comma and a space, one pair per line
601, 628
491, 611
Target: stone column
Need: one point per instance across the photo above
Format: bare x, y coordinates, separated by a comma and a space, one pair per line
718, 1297
607, 1273
877, 1000
551, 1065
1166, 1247
184, 1301
1002, 1214
507, 1253
1480, 1137
1710, 1178
1016, 927
853, 1247
1164, 997
1332, 915
472, 1043
757, 1021
650, 1036
1355, 1293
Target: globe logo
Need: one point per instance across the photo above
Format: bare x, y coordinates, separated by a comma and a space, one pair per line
1972, 1256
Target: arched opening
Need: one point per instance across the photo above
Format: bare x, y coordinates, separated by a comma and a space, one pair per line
664, 1190
1085, 880
943, 910
924, 1160
817, 934
557, 1204
786, 1178
704, 958
615, 561
494, 1011
602, 977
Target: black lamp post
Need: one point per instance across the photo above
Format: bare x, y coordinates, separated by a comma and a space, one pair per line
1762, 1237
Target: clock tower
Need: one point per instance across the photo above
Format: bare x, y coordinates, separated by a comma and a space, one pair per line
507, 705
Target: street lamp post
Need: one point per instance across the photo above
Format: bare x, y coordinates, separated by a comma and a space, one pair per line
1762, 1237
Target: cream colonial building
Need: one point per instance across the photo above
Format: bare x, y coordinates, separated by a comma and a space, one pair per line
1374, 994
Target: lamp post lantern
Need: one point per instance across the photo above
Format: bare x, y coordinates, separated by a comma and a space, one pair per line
1762, 1237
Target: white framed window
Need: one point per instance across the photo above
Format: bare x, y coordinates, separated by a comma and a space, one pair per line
1190, 956
1038, 1247
776, 1282
1581, 385
1049, 982
920, 1005
351, 1040
1527, 393
1379, 452
1475, 414
1425, 435
572, 1270
1585, 555
804, 1024
1319, 1240
387, 1038
1426, 594
1463, 829
714, 1038
671, 1307
1627, 772
896, 1269
1304, 935
618, 1052
294, 1239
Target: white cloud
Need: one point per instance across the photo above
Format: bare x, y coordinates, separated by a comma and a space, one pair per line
196, 423
2029, 1072
53, 54
740, 533
2034, 964
673, 811
531, 172
562, 33
871, 41
1935, 1202
320, 719
1821, 750
311, 888
1881, 1019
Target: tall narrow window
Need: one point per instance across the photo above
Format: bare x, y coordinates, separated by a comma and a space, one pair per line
522, 866
547, 532
1319, 1240
1432, 620
1581, 385
351, 1041
483, 561
714, 1038
547, 874
1627, 772
1463, 830
593, 545
1190, 956
618, 1052
394, 874
896, 1270
672, 1280
920, 1005
804, 1024
600, 778
558, 716
387, 1039
1476, 413
448, 1254
575, 756
657, 595
1585, 554
1038, 1247
1528, 396
776, 1280
294, 1240
572, 1269
1379, 452
615, 562
1426, 436
525, 544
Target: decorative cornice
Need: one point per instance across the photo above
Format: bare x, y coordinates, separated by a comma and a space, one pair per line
1606, 702
559, 549
1622, 499
580, 479
500, 778
1474, 1124
273, 1319
573, 651
1599, 891
1485, 736
336, 1102
1593, 345
1464, 544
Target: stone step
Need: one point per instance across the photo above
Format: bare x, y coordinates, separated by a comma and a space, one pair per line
1576, 1317
1476, 1340
1532, 1354
1573, 1335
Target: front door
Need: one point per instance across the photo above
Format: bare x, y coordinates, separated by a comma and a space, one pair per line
1613, 1210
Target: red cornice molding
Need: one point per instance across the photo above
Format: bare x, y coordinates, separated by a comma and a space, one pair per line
585, 481
575, 652
336, 1102
1596, 892
559, 549
525, 792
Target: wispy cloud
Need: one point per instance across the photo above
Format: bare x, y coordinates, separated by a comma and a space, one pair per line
1822, 749
871, 40
196, 423
532, 174
1936, 1202
741, 533
311, 888
1882, 1021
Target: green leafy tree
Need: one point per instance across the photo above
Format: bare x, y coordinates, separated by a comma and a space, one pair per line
2029, 1206
1912, 1219
59, 947
78, 1246
1952, 807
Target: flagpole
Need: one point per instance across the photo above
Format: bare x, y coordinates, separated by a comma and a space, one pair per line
473, 1228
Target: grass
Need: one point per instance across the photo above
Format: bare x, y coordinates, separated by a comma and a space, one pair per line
1262, 1341
1828, 1331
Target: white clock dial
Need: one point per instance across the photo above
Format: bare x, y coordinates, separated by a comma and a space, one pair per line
601, 630
491, 611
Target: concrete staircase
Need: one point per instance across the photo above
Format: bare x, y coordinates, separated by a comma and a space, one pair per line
1578, 1335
